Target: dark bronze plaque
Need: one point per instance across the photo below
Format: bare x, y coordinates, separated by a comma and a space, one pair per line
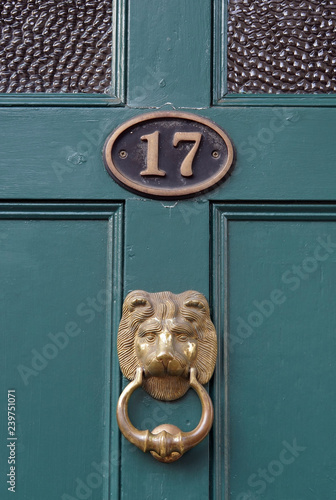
168, 154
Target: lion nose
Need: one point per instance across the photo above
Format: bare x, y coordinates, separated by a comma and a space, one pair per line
165, 351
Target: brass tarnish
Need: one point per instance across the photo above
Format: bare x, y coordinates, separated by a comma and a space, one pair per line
170, 154
167, 334
166, 343
167, 443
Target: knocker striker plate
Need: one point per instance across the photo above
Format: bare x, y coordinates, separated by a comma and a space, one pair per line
166, 344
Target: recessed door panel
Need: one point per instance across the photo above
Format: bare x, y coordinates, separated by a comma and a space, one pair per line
278, 284
59, 274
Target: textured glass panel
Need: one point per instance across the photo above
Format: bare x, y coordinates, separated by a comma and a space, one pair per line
282, 46
55, 46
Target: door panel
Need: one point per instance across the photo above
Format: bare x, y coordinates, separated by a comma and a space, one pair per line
60, 275
277, 280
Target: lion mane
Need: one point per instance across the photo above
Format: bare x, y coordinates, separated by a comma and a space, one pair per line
189, 306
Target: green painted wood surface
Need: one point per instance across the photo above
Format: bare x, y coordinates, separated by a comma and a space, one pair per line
276, 385
164, 250
281, 153
274, 290
169, 56
59, 268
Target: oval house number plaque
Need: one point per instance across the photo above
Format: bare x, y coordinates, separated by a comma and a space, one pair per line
168, 154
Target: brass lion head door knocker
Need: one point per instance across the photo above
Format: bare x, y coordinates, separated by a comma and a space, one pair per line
166, 343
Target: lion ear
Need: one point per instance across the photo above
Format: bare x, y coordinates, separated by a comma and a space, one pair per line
137, 298
138, 301
195, 303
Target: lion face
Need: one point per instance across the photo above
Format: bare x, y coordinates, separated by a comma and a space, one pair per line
166, 335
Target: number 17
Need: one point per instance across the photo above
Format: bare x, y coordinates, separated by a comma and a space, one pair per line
152, 167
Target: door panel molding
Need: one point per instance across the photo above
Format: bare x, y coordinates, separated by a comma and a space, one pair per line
223, 267
71, 401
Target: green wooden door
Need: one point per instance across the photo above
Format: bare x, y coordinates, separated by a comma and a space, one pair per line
260, 246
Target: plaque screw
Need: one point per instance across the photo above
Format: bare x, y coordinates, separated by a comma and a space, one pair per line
215, 154
123, 154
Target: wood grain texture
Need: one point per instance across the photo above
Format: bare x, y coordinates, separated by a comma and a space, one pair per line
165, 249
60, 299
169, 56
58, 244
274, 309
282, 153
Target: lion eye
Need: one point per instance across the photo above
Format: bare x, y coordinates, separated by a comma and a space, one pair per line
150, 337
182, 338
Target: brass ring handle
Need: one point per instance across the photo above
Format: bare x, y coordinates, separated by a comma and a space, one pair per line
167, 443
